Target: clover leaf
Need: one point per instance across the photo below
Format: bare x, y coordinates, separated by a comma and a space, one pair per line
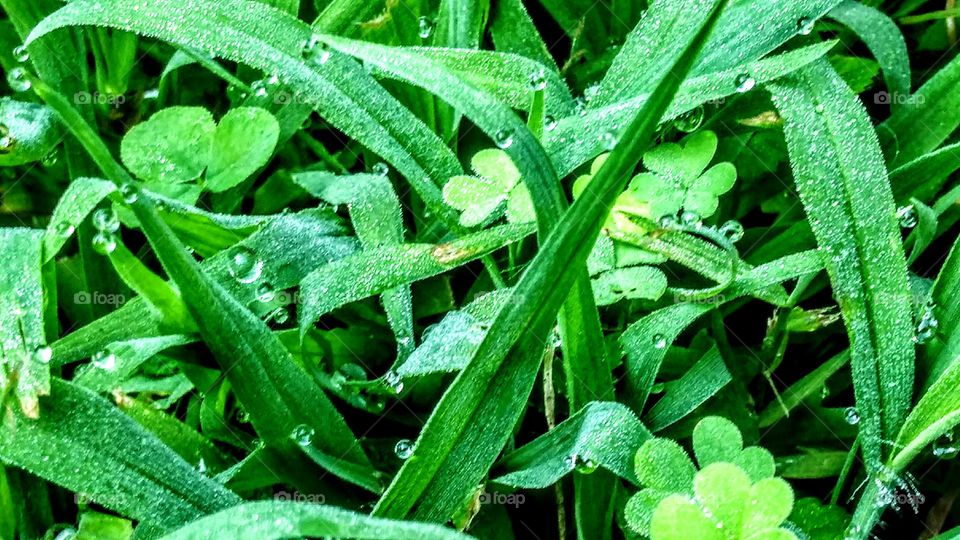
480, 198
733, 496
677, 178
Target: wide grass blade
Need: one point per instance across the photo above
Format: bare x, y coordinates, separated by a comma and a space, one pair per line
883, 38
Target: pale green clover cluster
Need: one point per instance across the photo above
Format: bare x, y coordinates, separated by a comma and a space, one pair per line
481, 198
734, 495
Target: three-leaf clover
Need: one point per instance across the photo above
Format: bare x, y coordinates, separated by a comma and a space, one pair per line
480, 198
733, 496
678, 177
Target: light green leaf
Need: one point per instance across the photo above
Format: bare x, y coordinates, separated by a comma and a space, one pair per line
79, 199
242, 143
174, 145
28, 132
637, 282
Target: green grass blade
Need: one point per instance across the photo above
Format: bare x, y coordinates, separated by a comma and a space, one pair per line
513, 31
842, 182
701, 382
883, 38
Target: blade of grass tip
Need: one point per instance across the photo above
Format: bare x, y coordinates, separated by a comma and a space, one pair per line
533, 305
277, 392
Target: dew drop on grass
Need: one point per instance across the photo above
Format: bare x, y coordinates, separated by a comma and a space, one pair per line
403, 448
105, 220
732, 231
549, 123
945, 447
394, 381
426, 26
50, 159
608, 140
265, 293
303, 435
280, 315
244, 266
805, 26
104, 243
380, 169
690, 121
744, 83
690, 219
18, 79
852, 416
65, 230
503, 138
538, 80
927, 327
659, 341
315, 50
129, 193
259, 88
104, 360
907, 215
43, 354
668, 221
202, 467
20, 54
7, 142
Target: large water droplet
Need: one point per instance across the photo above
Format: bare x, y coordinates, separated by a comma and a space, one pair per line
265, 293
130, 193
315, 50
104, 243
690, 219
259, 88
852, 416
394, 381
659, 341
690, 120
538, 80
805, 25
404, 448
608, 140
907, 215
549, 123
380, 169
20, 54
244, 266
7, 142
19, 80
105, 220
945, 447
426, 27
744, 83
503, 138
104, 360
732, 231
302, 435
64, 229
42, 354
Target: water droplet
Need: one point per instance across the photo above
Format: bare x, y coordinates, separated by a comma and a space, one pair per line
585, 465
690, 219
280, 315
7, 142
265, 293
549, 123
51, 158
404, 448
66, 534
315, 50
852, 416
668, 221
259, 88
538, 80
302, 435
243, 416
608, 140
129, 193
732, 231
805, 25
659, 341
18, 79
244, 266
745, 83
907, 215
104, 360
503, 138
202, 467
426, 27
105, 220
20, 54
945, 447
927, 327
104, 243
380, 169
394, 381
65, 230
43, 354
690, 120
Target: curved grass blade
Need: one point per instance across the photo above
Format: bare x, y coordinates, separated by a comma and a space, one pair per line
257, 35
802, 389
601, 434
274, 520
451, 458
90, 447
701, 382
79, 199
842, 182
882, 36
513, 31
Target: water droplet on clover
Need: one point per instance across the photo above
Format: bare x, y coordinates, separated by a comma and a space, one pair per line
19, 80
403, 448
538, 80
105, 220
20, 54
104, 243
302, 435
852, 416
744, 83
426, 27
104, 360
244, 266
43, 354
129, 193
503, 138
805, 26
907, 215
732, 231
659, 341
